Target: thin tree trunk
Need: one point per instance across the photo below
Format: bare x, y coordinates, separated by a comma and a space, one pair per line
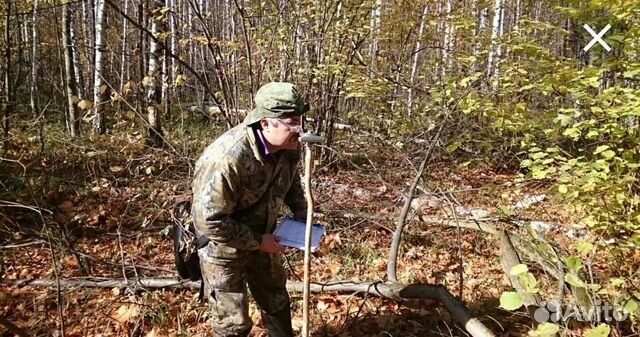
494, 52
8, 104
143, 54
154, 92
247, 45
99, 85
72, 115
124, 61
448, 42
89, 22
483, 13
174, 47
375, 27
414, 65
77, 65
33, 90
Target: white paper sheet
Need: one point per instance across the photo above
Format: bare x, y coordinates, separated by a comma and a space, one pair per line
292, 233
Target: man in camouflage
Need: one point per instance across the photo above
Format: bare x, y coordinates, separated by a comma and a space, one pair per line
241, 180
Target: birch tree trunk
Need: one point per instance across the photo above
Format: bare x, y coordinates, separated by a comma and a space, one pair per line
89, 27
99, 86
77, 65
494, 52
375, 27
154, 92
414, 64
73, 122
7, 73
124, 61
483, 13
447, 45
33, 89
140, 97
167, 71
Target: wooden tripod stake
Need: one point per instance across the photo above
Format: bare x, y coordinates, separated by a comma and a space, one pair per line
308, 140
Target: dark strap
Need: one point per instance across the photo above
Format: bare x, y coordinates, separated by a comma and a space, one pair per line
201, 292
202, 241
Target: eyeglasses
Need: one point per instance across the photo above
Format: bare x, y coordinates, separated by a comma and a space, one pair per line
294, 126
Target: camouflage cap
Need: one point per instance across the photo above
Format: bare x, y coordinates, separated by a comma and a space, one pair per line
276, 100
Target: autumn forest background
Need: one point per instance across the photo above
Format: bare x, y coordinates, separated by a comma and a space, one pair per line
472, 143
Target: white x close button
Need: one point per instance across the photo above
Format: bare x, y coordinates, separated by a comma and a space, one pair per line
597, 37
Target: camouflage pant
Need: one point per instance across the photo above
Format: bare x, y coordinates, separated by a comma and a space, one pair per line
225, 284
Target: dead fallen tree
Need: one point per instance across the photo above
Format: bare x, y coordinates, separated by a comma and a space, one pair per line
390, 290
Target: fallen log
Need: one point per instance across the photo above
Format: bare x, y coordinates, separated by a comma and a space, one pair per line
394, 291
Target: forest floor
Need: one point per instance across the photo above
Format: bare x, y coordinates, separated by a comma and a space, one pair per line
105, 203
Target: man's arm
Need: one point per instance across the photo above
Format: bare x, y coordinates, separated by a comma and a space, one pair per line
218, 195
295, 198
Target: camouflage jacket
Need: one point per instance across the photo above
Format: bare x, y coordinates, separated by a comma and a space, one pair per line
238, 190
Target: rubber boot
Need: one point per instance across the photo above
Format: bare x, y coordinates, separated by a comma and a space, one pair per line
278, 324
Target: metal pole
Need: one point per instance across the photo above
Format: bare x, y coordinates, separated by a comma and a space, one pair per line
307, 240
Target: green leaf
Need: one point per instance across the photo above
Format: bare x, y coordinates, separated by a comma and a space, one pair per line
518, 269
601, 330
630, 307
600, 149
617, 281
545, 330
529, 283
631, 73
584, 247
564, 120
563, 189
574, 281
608, 154
506, 210
572, 133
452, 147
511, 300
573, 263
538, 155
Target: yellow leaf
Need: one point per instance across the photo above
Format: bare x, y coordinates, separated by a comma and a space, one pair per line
180, 80
85, 104
147, 81
128, 87
115, 291
126, 313
202, 40
115, 96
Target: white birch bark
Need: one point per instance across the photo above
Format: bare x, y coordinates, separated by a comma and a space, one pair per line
174, 40
414, 64
124, 61
375, 26
494, 50
165, 65
8, 91
77, 68
98, 82
483, 13
516, 14
448, 44
33, 89
69, 79
153, 87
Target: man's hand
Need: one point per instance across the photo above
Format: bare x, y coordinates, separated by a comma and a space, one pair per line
270, 244
300, 215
